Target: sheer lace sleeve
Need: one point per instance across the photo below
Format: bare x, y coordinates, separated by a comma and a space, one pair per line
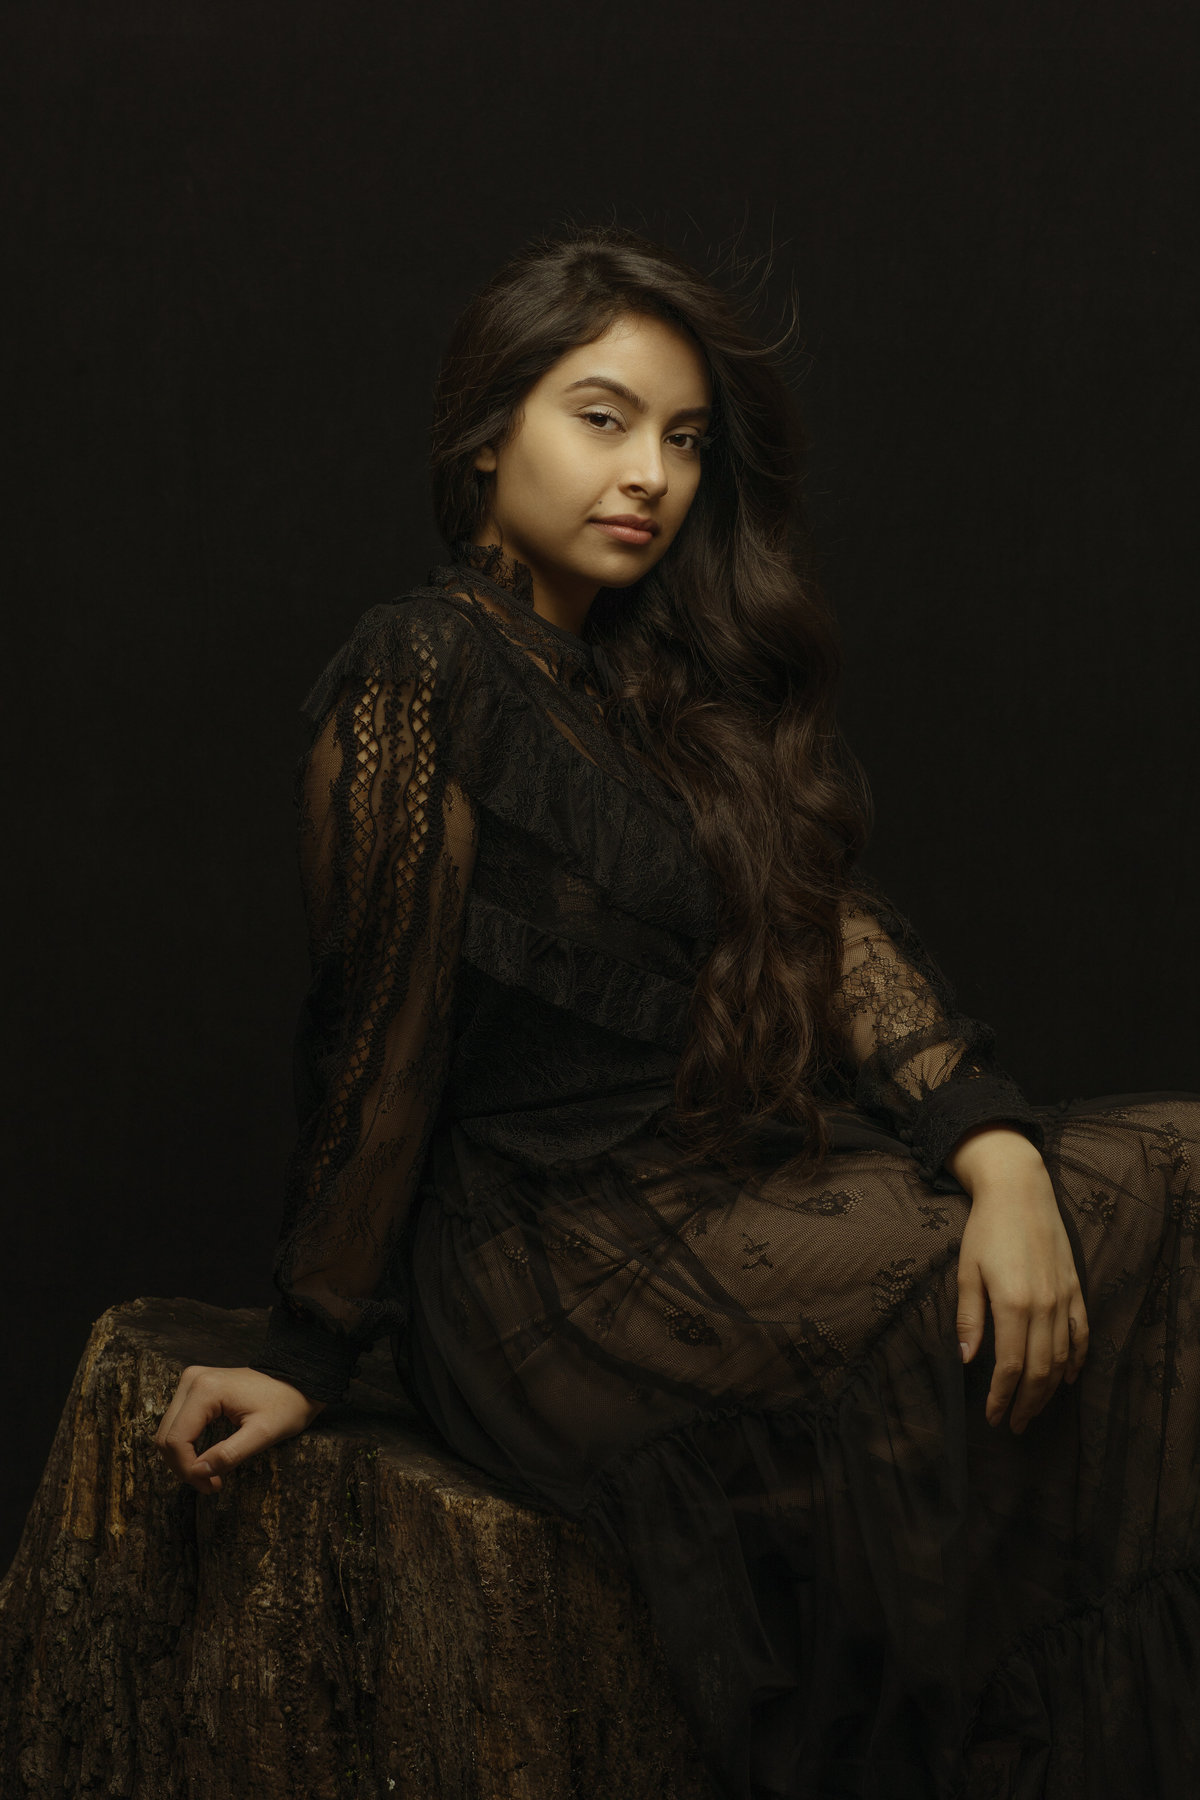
387, 846
921, 1065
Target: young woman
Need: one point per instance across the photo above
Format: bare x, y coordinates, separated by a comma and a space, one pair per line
652, 1139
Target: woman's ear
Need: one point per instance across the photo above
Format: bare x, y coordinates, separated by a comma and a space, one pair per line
485, 459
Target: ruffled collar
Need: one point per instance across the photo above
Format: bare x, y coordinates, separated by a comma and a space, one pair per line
580, 665
506, 571
515, 580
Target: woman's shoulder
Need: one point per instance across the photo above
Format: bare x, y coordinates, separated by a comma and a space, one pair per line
420, 635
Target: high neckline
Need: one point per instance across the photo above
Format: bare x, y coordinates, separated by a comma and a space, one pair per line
516, 579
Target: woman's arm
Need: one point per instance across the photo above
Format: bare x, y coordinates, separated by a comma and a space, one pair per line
920, 1064
930, 1071
387, 850
387, 847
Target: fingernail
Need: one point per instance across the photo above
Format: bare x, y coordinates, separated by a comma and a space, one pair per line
203, 1468
965, 1348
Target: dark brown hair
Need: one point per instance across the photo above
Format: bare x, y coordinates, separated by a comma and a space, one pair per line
727, 657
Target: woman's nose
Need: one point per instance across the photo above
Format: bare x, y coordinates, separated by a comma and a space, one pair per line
647, 470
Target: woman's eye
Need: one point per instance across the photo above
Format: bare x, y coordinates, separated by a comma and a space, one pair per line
690, 441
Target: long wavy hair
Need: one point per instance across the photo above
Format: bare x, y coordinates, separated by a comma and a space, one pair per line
727, 661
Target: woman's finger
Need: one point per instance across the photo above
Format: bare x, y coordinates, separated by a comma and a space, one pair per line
251, 1437
1077, 1326
1062, 1341
173, 1406
164, 1438
198, 1405
1011, 1330
971, 1308
1042, 1373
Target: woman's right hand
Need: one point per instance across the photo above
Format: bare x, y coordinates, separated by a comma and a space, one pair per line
264, 1411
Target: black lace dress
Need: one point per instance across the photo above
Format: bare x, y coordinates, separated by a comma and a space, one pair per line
750, 1397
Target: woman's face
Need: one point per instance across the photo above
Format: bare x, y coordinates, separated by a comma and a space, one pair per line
585, 451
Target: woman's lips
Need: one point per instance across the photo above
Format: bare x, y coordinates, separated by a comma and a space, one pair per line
626, 534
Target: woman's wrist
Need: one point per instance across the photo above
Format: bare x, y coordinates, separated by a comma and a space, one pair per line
988, 1154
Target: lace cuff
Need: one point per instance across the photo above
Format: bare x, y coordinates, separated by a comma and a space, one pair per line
320, 1363
948, 1111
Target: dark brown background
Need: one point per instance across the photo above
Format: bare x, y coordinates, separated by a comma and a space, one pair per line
238, 236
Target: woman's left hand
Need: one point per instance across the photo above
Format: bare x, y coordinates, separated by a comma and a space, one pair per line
1016, 1257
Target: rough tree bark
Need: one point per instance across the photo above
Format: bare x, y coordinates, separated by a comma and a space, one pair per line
355, 1614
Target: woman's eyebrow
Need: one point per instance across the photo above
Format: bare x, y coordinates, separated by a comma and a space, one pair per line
618, 387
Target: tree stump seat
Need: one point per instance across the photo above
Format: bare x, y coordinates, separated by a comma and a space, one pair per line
357, 1613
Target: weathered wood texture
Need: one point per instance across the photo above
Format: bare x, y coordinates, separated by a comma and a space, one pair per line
355, 1614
